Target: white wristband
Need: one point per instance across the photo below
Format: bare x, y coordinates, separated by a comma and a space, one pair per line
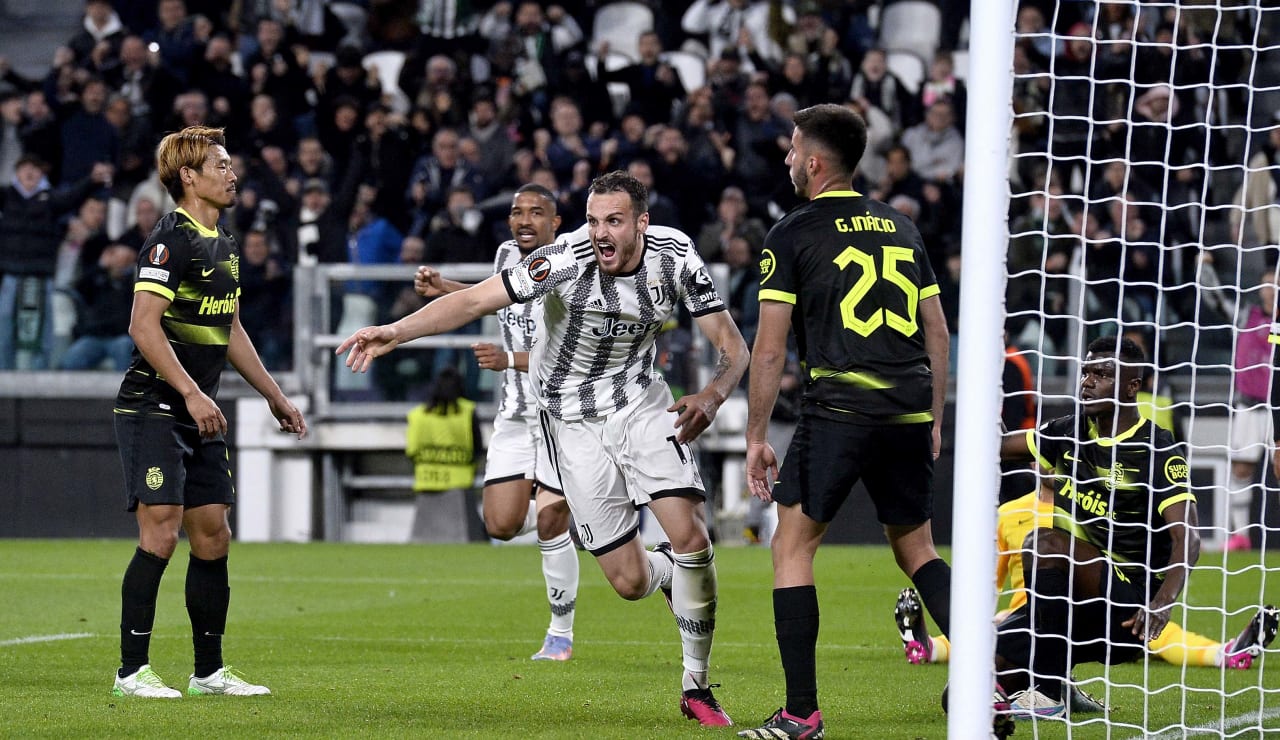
511, 360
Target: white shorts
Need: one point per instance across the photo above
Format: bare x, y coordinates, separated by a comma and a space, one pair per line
1250, 432
516, 451
611, 466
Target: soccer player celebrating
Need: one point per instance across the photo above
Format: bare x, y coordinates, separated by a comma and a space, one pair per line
851, 276
186, 326
517, 462
1103, 579
616, 437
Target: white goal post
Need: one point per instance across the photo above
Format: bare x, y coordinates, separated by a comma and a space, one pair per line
1122, 175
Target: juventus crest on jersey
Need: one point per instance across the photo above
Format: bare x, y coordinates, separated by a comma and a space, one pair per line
594, 349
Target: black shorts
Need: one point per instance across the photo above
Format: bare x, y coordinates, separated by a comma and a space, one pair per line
826, 458
168, 463
1097, 635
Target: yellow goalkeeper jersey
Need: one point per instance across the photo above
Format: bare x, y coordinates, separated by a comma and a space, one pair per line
1016, 520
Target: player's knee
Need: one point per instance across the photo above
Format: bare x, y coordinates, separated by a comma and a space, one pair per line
159, 542
499, 529
630, 586
553, 521
1048, 543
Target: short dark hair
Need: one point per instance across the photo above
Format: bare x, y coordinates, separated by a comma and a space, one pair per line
619, 181
536, 189
1121, 347
837, 130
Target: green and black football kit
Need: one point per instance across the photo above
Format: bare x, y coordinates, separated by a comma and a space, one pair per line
1111, 492
855, 271
165, 459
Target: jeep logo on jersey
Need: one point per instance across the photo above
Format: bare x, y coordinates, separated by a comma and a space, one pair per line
540, 269
158, 255
524, 324
615, 328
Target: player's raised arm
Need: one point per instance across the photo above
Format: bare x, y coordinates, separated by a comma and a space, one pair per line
440, 316
429, 283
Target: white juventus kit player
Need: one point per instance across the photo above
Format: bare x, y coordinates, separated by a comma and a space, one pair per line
616, 436
592, 367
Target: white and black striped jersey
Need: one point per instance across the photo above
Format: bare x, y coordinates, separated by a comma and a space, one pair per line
517, 323
594, 349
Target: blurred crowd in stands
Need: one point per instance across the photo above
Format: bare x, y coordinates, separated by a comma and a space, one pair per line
393, 131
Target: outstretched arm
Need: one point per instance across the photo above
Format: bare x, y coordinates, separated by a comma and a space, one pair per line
698, 410
442, 315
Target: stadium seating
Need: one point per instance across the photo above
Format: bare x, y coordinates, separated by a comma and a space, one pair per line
621, 23
389, 64
908, 67
354, 18
691, 68
911, 25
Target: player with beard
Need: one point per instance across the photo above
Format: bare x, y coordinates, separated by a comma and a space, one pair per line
616, 437
516, 465
850, 276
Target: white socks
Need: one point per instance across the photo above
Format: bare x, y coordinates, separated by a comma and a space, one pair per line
660, 572
560, 570
693, 599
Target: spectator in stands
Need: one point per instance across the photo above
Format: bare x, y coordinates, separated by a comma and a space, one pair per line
742, 27
144, 81
214, 75
266, 129
936, 146
942, 84
731, 221
29, 213
661, 208
101, 26
1140, 270
728, 85
453, 234
591, 95
434, 175
348, 78
1251, 422
1040, 246
142, 221
793, 77
310, 161
760, 142
628, 143
273, 70
265, 307
450, 27
655, 87
1076, 104
86, 235
569, 142
743, 288
882, 89
137, 144
495, 143
1259, 194
423, 78
179, 48
900, 177
40, 133
11, 147
339, 132
529, 48
87, 136
321, 225
104, 302
383, 155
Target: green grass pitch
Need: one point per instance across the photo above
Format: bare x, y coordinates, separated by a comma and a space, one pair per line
434, 641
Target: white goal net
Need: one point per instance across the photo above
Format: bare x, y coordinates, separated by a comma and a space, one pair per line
1143, 193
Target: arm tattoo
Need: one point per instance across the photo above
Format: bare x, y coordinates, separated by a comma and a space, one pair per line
722, 365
